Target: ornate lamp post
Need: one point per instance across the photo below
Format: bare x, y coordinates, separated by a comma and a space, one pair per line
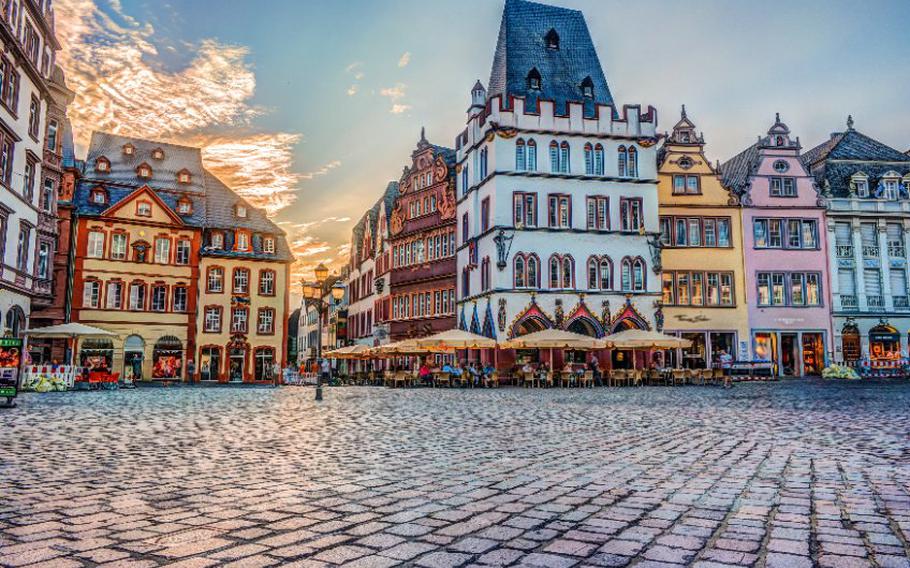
313, 293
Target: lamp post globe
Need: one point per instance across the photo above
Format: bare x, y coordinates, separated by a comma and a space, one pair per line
321, 273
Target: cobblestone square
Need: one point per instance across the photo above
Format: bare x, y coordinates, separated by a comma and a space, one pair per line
781, 475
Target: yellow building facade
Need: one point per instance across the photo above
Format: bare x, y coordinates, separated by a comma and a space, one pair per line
703, 280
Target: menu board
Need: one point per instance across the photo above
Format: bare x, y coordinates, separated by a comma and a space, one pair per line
10, 365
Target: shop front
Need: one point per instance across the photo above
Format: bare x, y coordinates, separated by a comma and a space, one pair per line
96, 354
167, 359
706, 350
791, 353
210, 363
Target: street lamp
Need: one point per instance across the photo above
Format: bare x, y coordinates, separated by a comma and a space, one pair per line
313, 293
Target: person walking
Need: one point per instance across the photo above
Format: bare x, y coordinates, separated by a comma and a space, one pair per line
726, 364
326, 370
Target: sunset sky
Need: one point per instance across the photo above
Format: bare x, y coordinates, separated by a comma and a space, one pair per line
309, 107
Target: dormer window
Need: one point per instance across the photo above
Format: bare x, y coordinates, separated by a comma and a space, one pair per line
99, 196
144, 209
551, 39
889, 186
240, 210
268, 245
587, 88
184, 206
217, 240
102, 165
158, 154
129, 149
534, 79
183, 176
860, 184
242, 240
144, 171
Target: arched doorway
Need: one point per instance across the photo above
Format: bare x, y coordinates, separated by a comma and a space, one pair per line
133, 356
15, 321
237, 355
851, 345
167, 358
884, 343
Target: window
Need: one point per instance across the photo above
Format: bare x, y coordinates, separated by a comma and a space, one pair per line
182, 254
465, 229
144, 209
633, 274
560, 211
587, 88
518, 270
266, 324
180, 298
589, 159
889, 189
215, 280
52, 127
240, 210
630, 210
686, 184
552, 39
483, 163
91, 294
144, 171
34, 117
485, 274
10, 85
783, 187
114, 295
241, 281
666, 231
239, 320
632, 162
485, 214
266, 283
464, 179
159, 298
781, 166
158, 154
564, 158
137, 296
213, 319
534, 80
118, 246
525, 209
696, 288
621, 161
531, 151
162, 250
521, 159
599, 273
598, 213
783, 233
217, 240
243, 240
6, 160
598, 160
48, 193
95, 247
185, 206
99, 196
28, 181
787, 289
268, 245
44, 257
554, 157
862, 187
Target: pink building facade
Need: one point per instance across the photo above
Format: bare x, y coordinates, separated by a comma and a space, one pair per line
784, 249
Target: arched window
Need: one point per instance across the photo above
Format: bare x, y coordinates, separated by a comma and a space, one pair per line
593, 276
483, 163
564, 157
554, 157
598, 160
534, 79
632, 166
551, 39
626, 274
638, 274
519, 271
587, 88
568, 272
532, 155
521, 162
606, 273
555, 266
533, 274
621, 159
589, 159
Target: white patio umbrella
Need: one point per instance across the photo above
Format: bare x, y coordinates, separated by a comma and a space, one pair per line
69, 331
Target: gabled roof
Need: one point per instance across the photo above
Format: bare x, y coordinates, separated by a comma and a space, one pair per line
145, 190
164, 171
835, 161
522, 47
735, 172
854, 145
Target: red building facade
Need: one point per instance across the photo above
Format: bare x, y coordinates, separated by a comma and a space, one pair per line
422, 228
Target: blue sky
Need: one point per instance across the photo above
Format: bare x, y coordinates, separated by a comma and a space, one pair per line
331, 73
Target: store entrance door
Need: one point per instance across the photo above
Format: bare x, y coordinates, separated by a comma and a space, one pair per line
813, 354
789, 361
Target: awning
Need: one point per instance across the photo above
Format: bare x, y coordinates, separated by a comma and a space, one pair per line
554, 339
641, 339
349, 352
456, 339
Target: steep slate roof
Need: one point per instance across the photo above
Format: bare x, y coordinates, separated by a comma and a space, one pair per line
834, 161
164, 172
522, 47
735, 172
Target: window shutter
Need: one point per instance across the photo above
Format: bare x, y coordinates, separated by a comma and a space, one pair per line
898, 282
873, 282
843, 234
846, 282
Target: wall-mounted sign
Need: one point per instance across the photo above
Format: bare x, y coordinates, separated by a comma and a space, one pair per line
10, 367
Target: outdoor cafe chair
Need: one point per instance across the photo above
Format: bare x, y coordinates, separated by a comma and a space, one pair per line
718, 376
587, 380
679, 376
492, 380
442, 379
547, 380
566, 379
528, 379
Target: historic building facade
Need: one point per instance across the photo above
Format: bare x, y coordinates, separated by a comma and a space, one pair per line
422, 229
785, 253
866, 185
367, 282
32, 106
176, 264
557, 191
704, 292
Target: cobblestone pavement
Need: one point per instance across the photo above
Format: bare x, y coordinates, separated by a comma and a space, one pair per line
783, 475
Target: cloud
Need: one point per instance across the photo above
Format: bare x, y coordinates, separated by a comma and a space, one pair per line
405, 59
395, 94
398, 109
122, 86
356, 70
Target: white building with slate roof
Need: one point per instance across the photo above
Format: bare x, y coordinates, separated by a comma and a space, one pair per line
556, 190
867, 188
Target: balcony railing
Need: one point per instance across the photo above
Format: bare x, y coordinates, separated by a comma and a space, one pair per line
848, 301
901, 303
870, 251
875, 303
844, 251
896, 251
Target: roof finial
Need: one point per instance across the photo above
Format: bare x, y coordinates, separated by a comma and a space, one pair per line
683, 114
423, 137
849, 122
777, 117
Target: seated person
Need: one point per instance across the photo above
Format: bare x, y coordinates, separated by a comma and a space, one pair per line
488, 371
457, 370
424, 374
527, 368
